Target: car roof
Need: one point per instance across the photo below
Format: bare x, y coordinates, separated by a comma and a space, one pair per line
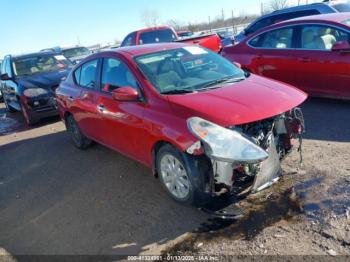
34, 54
153, 29
331, 17
71, 47
298, 8
149, 48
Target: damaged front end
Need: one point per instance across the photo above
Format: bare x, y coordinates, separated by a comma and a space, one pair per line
248, 154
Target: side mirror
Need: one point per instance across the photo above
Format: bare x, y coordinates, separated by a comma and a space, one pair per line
126, 94
5, 77
341, 46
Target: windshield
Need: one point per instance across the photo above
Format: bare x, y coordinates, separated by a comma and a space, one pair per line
187, 69
77, 51
157, 36
185, 34
343, 7
24, 66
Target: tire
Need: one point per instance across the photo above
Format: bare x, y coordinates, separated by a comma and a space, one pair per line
78, 138
185, 178
28, 117
8, 107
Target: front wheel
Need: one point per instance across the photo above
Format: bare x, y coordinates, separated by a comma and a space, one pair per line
183, 177
78, 138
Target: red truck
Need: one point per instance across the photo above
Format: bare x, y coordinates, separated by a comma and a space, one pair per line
166, 34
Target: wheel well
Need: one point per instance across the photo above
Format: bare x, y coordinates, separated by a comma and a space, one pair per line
66, 115
155, 150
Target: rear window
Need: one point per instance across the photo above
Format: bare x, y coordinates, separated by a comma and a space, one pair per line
157, 36
344, 7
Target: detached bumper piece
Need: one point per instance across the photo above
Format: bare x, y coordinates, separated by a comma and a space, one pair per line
270, 170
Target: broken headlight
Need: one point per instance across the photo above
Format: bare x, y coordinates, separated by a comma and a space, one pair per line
225, 145
34, 92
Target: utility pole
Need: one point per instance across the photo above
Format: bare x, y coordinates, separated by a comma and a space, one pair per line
209, 23
233, 23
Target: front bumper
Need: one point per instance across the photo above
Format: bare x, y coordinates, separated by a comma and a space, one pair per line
41, 107
275, 136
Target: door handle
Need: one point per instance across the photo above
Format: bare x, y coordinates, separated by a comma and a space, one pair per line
101, 108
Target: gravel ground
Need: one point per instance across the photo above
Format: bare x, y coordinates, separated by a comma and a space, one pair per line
55, 199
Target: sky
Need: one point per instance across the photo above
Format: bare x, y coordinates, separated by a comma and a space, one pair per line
32, 25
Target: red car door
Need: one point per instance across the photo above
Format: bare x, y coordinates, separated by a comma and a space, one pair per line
321, 71
274, 55
84, 103
122, 122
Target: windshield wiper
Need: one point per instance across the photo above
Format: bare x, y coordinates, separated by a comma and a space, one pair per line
221, 81
177, 91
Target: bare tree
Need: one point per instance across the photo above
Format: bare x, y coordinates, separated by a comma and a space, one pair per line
176, 24
150, 18
278, 4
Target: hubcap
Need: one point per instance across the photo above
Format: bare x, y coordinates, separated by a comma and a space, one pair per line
174, 176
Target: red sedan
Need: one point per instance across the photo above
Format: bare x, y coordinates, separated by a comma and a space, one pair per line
203, 125
311, 53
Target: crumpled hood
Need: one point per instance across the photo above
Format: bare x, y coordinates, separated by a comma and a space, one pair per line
43, 80
253, 99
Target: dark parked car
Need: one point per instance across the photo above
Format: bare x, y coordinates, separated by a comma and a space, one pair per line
200, 122
311, 53
28, 83
293, 12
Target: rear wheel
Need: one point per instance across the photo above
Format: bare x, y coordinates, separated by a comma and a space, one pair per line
182, 176
78, 138
28, 117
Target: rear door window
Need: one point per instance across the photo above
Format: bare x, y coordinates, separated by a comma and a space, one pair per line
320, 37
116, 74
85, 75
277, 39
